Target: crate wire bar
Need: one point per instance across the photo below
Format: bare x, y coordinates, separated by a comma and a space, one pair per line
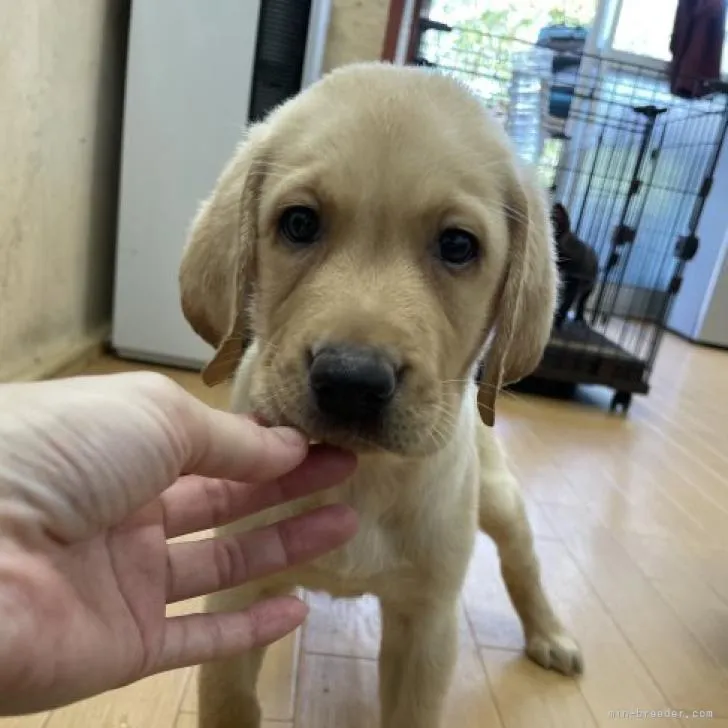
632, 164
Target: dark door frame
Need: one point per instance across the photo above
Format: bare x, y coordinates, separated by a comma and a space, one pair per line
395, 21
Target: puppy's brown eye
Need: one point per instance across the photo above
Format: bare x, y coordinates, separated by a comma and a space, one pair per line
300, 225
457, 247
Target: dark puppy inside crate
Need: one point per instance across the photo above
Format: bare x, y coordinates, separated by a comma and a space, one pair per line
578, 267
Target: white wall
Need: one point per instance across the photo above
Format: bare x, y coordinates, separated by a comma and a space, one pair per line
714, 319
693, 300
356, 32
60, 94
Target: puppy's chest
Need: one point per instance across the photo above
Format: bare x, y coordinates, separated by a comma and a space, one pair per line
371, 563
391, 547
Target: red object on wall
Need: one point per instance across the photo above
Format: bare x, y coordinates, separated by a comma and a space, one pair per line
696, 46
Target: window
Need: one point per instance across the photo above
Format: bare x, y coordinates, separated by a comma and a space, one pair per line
522, 19
641, 30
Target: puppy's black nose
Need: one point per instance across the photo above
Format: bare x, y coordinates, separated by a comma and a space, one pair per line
352, 384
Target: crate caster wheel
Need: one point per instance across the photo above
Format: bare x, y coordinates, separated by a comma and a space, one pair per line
621, 400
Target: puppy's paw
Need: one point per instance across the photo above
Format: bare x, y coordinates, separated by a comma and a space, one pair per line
556, 652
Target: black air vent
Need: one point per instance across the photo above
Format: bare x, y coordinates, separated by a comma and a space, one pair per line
279, 54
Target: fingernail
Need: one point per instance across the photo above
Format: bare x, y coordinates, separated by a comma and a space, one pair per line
290, 436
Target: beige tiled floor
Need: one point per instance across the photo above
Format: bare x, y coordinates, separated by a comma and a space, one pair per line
631, 517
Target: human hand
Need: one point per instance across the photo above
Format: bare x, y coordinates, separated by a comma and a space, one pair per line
86, 509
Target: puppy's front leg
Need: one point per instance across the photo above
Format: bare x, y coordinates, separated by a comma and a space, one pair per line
227, 688
416, 661
503, 517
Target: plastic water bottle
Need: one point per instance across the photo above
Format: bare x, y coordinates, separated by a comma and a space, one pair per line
528, 101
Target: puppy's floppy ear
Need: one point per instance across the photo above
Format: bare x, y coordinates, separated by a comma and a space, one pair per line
524, 308
218, 262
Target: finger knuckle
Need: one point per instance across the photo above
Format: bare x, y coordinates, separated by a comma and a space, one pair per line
291, 544
230, 562
220, 500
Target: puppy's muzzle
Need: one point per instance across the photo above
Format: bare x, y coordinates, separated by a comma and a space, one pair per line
352, 386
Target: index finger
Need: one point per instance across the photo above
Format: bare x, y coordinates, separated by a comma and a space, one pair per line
224, 445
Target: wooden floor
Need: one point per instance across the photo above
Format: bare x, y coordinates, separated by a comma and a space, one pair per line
631, 517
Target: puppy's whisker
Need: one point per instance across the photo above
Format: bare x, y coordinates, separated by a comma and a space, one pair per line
456, 381
444, 423
440, 434
487, 408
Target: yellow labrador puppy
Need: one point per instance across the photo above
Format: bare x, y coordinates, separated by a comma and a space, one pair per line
368, 246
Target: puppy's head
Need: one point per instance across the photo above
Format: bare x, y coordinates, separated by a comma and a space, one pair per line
377, 238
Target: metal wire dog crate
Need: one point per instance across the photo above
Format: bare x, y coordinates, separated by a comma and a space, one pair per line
631, 163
